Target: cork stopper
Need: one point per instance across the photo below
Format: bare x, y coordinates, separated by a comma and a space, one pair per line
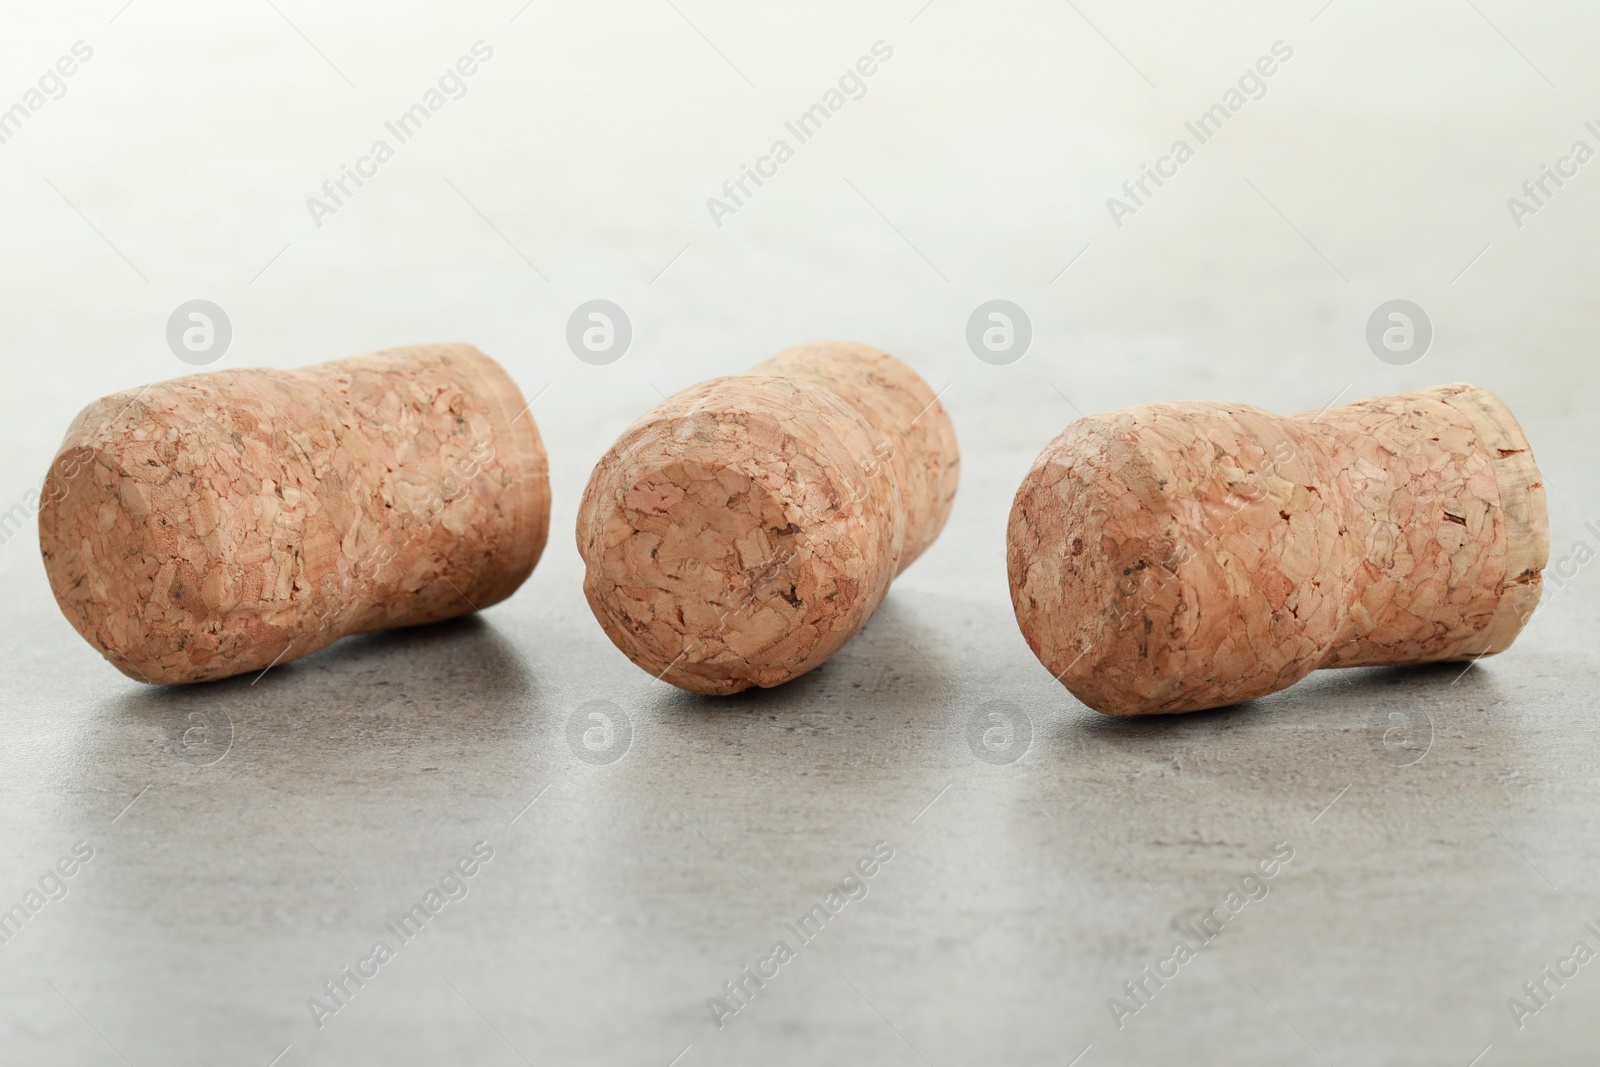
1177, 557
223, 522
741, 532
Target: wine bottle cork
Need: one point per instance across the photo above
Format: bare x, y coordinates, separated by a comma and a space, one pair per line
740, 533
225, 522
1177, 557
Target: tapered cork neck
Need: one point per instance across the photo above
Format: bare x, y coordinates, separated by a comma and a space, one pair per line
1175, 557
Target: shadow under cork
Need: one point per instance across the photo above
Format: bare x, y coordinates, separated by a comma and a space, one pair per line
1358, 768
1365, 718
411, 687
768, 782
318, 798
430, 652
873, 671
848, 717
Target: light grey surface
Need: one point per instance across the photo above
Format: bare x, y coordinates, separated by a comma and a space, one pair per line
1020, 896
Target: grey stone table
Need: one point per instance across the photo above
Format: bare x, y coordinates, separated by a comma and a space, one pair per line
1430, 833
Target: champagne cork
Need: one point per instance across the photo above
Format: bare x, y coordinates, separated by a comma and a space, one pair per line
224, 522
742, 531
1177, 557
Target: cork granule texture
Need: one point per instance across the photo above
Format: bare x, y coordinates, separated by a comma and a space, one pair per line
741, 532
224, 522
1176, 557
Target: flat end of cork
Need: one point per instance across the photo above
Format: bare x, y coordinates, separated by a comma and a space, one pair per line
1522, 507
526, 463
728, 539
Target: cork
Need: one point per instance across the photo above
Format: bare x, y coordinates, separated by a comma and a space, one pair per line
1178, 557
739, 534
224, 522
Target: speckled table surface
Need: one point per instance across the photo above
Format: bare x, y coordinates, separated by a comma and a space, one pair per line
596, 885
